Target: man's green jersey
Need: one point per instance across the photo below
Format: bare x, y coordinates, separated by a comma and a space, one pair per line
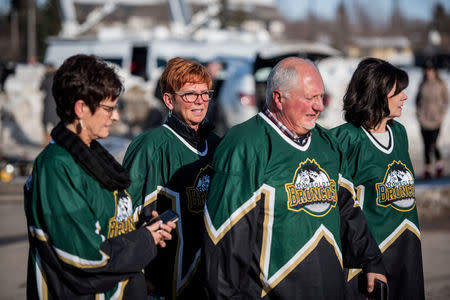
281, 217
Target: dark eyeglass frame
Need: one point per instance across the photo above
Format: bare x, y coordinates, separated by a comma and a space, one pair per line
184, 96
110, 109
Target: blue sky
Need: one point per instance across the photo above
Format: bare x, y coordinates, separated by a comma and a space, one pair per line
379, 10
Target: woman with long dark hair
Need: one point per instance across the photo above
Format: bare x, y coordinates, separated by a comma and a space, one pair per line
376, 147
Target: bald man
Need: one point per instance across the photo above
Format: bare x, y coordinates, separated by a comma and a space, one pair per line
281, 220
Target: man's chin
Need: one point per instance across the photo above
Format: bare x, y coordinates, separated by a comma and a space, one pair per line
310, 126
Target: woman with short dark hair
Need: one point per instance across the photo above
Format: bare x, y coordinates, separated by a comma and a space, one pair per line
376, 148
82, 222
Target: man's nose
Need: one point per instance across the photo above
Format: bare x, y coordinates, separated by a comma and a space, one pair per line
318, 104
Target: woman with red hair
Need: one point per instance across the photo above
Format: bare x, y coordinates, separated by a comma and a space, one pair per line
169, 168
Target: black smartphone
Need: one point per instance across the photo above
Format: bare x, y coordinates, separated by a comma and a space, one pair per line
380, 291
168, 215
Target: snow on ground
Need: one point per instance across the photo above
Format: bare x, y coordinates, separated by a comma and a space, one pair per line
24, 101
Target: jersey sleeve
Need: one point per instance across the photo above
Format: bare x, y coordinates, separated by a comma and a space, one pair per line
359, 247
66, 234
231, 219
349, 144
149, 169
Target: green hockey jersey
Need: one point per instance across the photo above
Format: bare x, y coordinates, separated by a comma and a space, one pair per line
281, 218
167, 172
83, 242
384, 180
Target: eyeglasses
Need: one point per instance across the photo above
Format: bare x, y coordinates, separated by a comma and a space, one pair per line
110, 109
192, 97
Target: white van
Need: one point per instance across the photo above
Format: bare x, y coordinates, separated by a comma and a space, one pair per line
147, 58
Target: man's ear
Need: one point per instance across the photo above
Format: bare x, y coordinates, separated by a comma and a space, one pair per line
277, 97
167, 97
80, 108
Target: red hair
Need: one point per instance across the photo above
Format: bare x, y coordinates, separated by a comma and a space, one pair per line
180, 71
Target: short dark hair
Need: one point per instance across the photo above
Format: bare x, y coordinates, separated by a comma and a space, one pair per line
366, 101
84, 77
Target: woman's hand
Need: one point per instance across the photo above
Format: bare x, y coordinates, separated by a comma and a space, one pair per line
371, 281
160, 231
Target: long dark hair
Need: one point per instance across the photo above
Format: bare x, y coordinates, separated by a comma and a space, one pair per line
366, 101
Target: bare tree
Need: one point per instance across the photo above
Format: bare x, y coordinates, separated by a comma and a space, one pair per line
224, 15
31, 31
48, 24
440, 22
397, 24
342, 28
363, 21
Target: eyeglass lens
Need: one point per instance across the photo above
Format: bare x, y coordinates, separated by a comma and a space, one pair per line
192, 97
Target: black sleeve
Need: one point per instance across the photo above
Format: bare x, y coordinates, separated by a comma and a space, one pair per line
359, 248
129, 252
128, 255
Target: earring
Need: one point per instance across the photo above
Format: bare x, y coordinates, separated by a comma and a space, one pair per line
82, 125
78, 128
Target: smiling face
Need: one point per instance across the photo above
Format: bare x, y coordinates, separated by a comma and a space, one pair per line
302, 104
191, 113
395, 103
97, 124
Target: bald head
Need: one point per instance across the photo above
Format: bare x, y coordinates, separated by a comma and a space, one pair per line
287, 75
295, 94
296, 62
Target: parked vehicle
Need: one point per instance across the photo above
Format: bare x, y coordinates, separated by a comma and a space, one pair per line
241, 91
234, 100
240, 88
147, 59
268, 57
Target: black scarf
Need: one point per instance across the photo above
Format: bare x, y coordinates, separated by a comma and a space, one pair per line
195, 140
94, 160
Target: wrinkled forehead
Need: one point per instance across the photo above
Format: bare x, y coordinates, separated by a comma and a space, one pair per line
312, 82
306, 69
